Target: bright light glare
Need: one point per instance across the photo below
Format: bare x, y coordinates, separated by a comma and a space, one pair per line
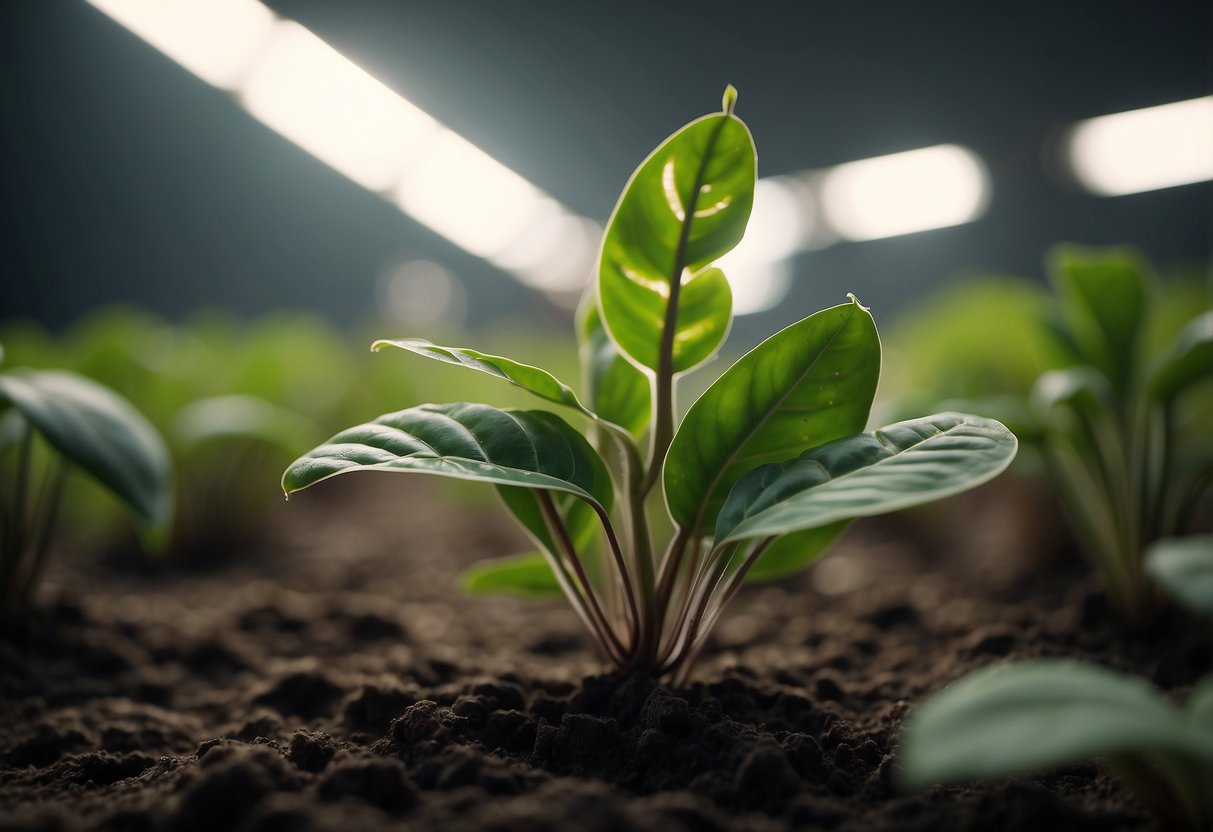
757, 269
467, 196
1144, 150
310, 93
216, 40
933, 187
554, 252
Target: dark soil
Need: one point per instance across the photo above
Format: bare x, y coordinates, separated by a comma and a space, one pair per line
344, 683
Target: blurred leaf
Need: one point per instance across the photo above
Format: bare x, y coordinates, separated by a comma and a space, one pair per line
1080, 389
901, 465
1016, 718
528, 576
685, 206
1183, 566
1105, 297
810, 383
1189, 361
99, 432
220, 418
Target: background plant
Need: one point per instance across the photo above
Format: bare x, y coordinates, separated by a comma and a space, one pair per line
1102, 378
84, 425
1025, 716
766, 468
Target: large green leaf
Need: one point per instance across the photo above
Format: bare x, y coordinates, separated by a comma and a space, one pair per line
901, 465
528, 576
618, 392
99, 432
805, 385
1105, 296
533, 379
1189, 361
1184, 568
1015, 718
685, 206
794, 552
523, 448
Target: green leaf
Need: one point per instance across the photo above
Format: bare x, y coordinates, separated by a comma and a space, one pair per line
527, 576
1189, 361
795, 552
1015, 718
99, 432
1183, 566
618, 392
901, 465
1105, 296
524, 448
805, 385
532, 379
686, 205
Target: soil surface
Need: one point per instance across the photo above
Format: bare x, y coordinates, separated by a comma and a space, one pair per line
339, 680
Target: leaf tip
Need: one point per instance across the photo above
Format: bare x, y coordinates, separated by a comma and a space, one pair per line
851, 297
729, 100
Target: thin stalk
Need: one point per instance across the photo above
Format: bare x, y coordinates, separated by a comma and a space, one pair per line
702, 579
663, 384
51, 499
561, 534
1157, 519
16, 526
706, 618
620, 564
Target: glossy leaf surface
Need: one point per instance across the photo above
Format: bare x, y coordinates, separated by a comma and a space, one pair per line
1019, 717
527, 576
98, 432
618, 392
901, 465
1105, 296
1183, 566
525, 448
532, 379
685, 206
806, 385
1189, 361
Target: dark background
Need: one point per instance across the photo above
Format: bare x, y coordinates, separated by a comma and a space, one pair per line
126, 179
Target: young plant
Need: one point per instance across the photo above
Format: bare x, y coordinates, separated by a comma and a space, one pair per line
1111, 422
89, 427
1017, 718
765, 469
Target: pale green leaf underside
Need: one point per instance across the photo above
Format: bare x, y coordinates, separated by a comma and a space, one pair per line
1183, 566
902, 465
532, 379
100, 433
524, 448
1189, 361
685, 206
806, 385
1019, 717
527, 576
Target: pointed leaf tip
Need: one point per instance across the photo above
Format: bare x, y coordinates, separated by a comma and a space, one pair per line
729, 100
851, 297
